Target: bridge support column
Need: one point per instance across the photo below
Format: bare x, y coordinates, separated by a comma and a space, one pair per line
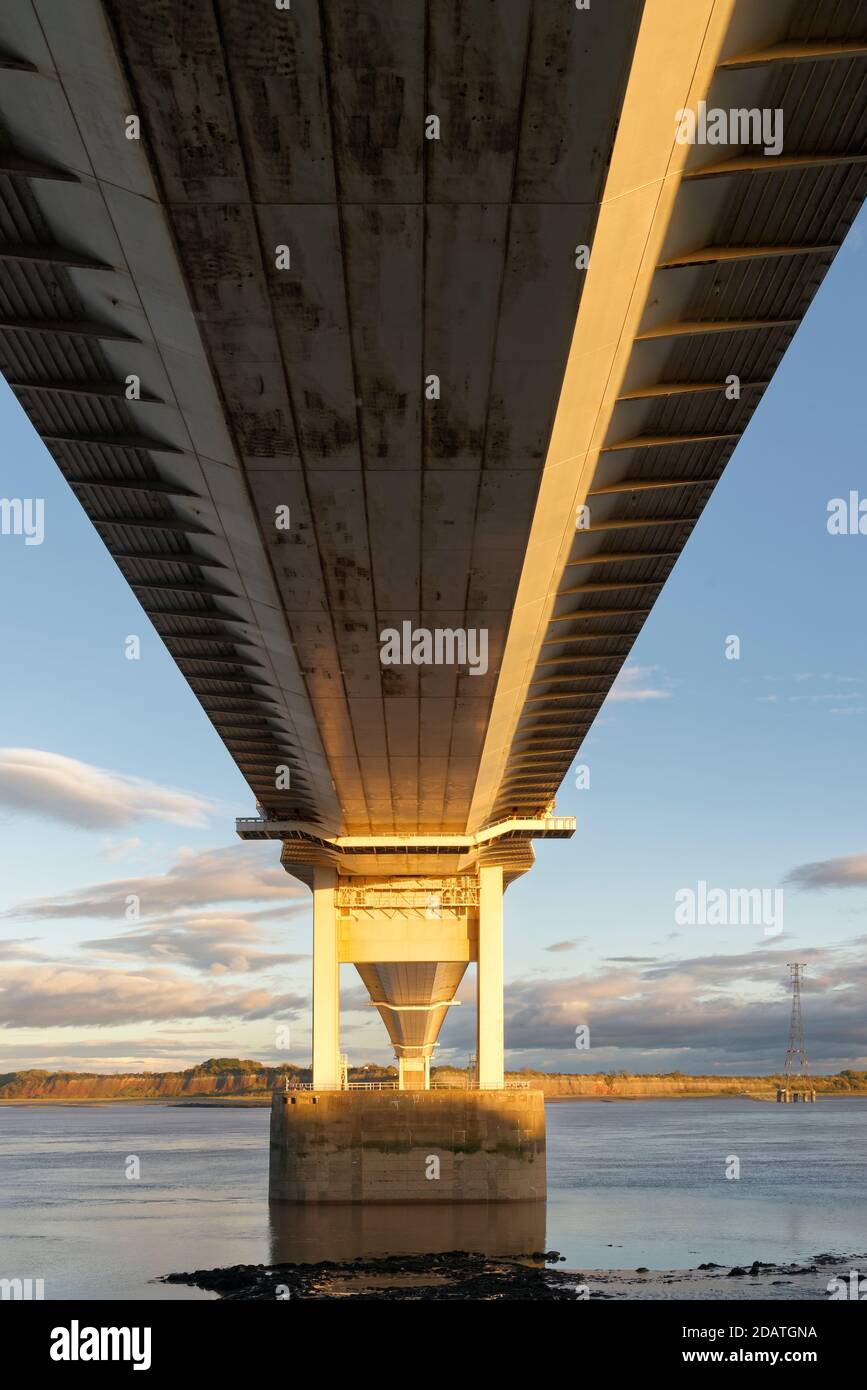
413, 1073
377, 1146
326, 984
489, 1019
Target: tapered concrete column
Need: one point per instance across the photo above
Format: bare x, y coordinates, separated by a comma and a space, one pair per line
489, 1024
326, 986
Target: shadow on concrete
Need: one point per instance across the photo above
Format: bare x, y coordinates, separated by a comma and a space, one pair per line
308, 1233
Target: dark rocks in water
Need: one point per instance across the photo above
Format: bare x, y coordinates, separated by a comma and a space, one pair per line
455, 1275
755, 1268
451, 1276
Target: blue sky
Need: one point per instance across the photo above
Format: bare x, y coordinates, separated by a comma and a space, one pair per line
745, 774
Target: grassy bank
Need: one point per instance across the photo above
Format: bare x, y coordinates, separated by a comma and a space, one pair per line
233, 1078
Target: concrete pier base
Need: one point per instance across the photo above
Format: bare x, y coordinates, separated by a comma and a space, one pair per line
308, 1232
407, 1146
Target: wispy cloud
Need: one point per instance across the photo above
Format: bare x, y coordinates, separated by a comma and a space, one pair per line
847, 872
234, 874
20, 948
215, 944
119, 849
563, 946
800, 676
633, 684
53, 787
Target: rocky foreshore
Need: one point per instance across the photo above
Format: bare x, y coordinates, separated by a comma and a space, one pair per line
459, 1275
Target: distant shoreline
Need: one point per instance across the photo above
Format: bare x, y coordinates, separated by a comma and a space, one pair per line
200, 1103
244, 1081
263, 1102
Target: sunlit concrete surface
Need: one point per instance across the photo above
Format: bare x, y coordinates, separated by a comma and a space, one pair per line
440, 1146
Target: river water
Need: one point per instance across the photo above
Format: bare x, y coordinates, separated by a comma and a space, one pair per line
629, 1184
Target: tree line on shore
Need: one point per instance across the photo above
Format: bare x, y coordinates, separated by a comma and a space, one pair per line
246, 1077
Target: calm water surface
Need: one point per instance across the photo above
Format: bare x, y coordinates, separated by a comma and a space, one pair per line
636, 1183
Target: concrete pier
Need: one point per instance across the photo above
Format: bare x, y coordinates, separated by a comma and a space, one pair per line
410, 917
407, 1146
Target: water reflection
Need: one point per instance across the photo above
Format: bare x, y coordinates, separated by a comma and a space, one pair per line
303, 1233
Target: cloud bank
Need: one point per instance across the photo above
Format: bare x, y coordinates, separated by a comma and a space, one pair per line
62, 789
232, 874
65, 996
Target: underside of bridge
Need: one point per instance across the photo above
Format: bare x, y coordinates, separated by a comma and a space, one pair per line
410, 316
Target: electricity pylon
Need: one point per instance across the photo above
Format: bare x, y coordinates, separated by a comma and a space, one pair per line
796, 1052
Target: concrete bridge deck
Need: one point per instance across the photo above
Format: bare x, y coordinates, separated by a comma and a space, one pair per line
409, 317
